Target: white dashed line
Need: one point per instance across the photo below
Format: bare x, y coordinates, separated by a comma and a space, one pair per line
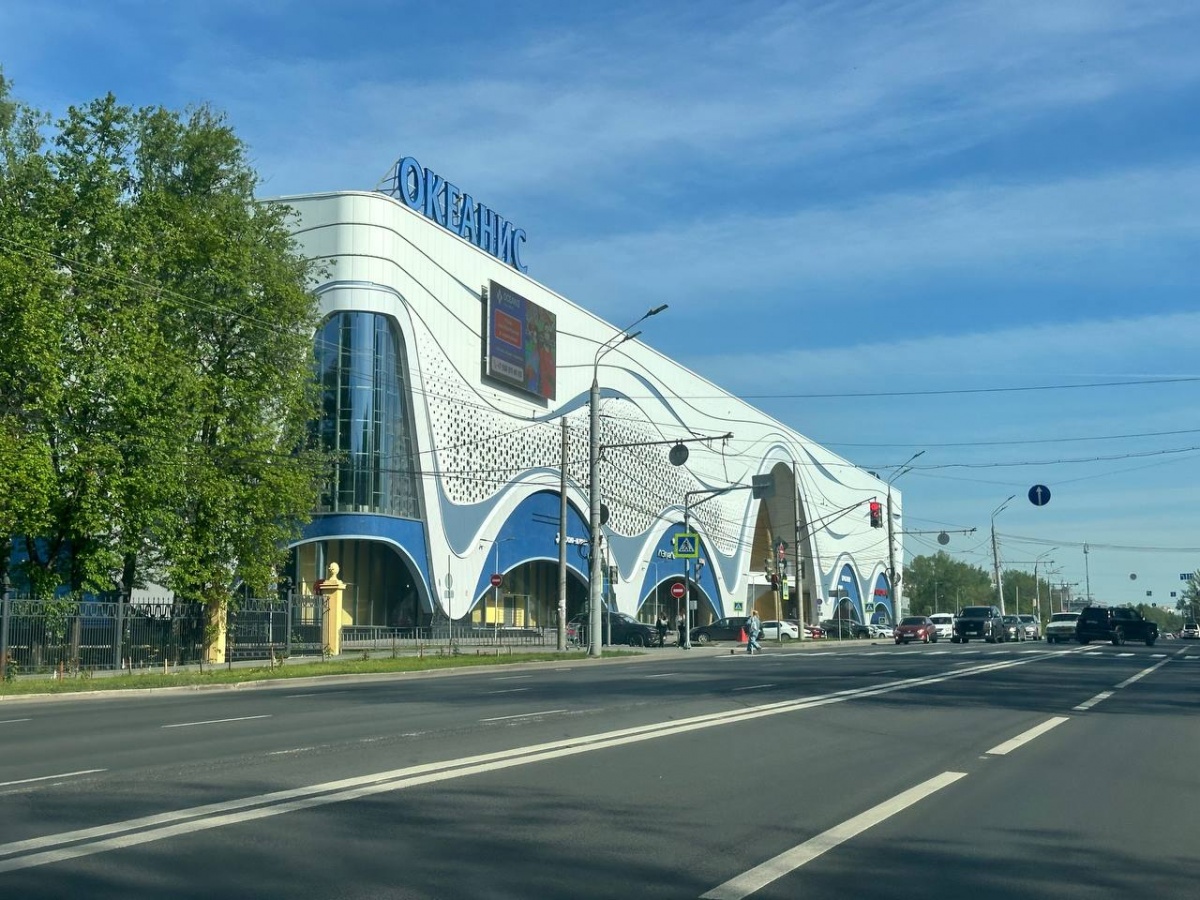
545, 712
753, 687
51, 777
1088, 704
1026, 736
216, 721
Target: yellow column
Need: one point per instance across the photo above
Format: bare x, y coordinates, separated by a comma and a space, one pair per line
218, 612
331, 620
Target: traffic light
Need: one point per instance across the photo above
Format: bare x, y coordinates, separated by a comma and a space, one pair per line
876, 514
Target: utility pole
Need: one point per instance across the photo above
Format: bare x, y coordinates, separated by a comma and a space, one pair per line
562, 542
996, 553
893, 578
1087, 575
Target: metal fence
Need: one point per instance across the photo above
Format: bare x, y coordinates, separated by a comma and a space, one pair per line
72, 636
373, 637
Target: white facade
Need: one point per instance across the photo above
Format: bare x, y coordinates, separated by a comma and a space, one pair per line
482, 450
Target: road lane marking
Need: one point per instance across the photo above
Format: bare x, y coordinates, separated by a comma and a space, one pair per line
545, 712
1088, 704
1124, 654
883, 672
1142, 674
512, 677
662, 675
49, 849
509, 691
51, 777
288, 752
1157, 655
14, 721
787, 862
1026, 736
753, 687
216, 721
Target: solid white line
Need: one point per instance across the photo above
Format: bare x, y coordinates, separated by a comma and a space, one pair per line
216, 721
511, 677
545, 712
662, 675
760, 876
14, 721
509, 691
1026, 736
753, 687
1142, 674
1088, 704
51, 777
286, 752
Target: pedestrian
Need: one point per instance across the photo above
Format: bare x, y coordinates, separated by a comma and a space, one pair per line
681, 622
753, 629
663, 625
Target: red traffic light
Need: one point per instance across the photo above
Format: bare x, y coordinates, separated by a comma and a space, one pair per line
876, 514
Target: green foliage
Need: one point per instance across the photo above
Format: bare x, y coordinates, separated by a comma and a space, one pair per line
1188, 605
940, 583
155, 354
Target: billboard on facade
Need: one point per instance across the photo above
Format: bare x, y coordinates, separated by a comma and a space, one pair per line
521, 342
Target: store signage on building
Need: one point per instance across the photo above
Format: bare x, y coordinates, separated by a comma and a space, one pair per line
431, 195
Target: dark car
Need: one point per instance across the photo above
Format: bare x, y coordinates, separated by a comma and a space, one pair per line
978, 622
916, 628
726, 629
1117, 624
845, 628
625, 629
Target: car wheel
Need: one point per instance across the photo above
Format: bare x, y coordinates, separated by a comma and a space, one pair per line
635, 640
898, 642
785, 638
1150, 641
934, 638
924, 639
1083, 640
964, 640
702, 638
1050, 640
1118, 638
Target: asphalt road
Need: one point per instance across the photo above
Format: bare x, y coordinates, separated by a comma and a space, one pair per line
864, 771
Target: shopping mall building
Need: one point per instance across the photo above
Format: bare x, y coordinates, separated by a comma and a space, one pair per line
447, 375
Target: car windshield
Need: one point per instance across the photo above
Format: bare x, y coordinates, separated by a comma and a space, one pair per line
1064, 617
975, 612
913, 620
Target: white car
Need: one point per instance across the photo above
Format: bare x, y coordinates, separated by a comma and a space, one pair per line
880, 630
944, 623
1061, 627
773, 631
1190, 631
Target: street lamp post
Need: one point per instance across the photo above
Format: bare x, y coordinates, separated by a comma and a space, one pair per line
995, 553
594, 571
892, 580
495, 587
1037, 585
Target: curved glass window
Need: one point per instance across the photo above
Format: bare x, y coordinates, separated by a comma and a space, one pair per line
365, 419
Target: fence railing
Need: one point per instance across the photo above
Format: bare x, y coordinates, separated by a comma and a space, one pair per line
377, 637
93, 635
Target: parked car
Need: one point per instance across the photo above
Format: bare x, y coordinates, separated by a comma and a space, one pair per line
1014, 628
845, 628
978, 622
916, 628
726, 629
944, 623
881, 630
1190, 631
1114, 623
1061, 627
815, 632
1033, 628
780, 631
624, 629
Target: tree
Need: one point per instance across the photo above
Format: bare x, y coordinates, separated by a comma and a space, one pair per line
161, 369
1189, 601
941, 583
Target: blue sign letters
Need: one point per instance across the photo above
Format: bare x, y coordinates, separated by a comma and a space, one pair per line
437, 199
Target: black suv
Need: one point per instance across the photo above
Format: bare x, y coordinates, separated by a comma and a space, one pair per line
1114, 623
623, 628
726, 629
978, 622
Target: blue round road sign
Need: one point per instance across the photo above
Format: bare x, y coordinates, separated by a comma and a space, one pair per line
1039, 495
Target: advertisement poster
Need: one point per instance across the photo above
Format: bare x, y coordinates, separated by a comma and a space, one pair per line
521, 342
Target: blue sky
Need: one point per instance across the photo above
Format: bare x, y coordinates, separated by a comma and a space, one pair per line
851, 208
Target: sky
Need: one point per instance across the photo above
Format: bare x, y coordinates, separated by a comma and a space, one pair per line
970, 229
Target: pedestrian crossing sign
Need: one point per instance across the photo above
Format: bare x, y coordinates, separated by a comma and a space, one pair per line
687, 545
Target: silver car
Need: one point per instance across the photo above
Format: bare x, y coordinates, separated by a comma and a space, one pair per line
1033, 628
